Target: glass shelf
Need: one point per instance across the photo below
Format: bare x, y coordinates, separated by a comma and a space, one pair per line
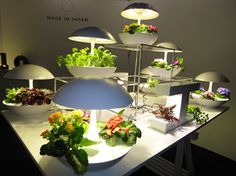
138, 47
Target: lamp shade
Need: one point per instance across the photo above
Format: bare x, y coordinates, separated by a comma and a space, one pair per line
29, 71
141, 11
170, 47
92, 93
92, 34
211, 77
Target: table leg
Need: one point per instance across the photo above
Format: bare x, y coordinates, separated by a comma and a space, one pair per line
184, 150
179, 158
188, 157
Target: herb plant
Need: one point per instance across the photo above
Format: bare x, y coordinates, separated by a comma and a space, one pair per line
28, 96
152, 82
199, 116
83, 58
119, 131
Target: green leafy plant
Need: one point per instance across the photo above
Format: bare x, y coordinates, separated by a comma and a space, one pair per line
199, 116
140, 28
66, 138
83, 58
118, 131
160, 63
152, 82
28, 96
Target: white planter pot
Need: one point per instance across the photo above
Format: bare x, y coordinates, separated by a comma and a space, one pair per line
138, 38
207, 102
77, 71
27, 110
163, 73
144, 87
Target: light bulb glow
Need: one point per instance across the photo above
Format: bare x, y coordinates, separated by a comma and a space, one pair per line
92, 47
165, 55
93, 131
210, 86
143, 14
31, 84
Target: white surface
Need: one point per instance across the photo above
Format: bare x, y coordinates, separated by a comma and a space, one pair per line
164, 125
163, 73
77, 71
144, 87
27, 111
150, 144
138, 38
106, 153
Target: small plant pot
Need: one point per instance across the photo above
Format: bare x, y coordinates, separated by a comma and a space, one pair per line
77, 71
207, 102
138, 38
144, 87
27, 110
163, 73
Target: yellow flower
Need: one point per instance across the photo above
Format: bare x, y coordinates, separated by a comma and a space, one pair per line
69, 127
61, 120
78, 113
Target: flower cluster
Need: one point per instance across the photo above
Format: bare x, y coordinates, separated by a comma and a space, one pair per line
118, 131
160, 63
66, 138
141, 28
221, 93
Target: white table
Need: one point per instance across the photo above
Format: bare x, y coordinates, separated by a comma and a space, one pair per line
151, 144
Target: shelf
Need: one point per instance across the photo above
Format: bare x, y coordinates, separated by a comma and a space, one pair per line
138, 47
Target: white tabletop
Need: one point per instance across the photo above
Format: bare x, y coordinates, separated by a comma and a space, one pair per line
151, 143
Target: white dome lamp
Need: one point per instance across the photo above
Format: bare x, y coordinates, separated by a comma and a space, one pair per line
168, 47
92, 35
29, 72
211, 77
140, 11
93, 94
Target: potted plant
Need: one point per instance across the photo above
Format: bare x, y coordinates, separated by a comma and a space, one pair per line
25, 101
83, 63
116, 131
161, 68
210, 98
135, 33
67, 139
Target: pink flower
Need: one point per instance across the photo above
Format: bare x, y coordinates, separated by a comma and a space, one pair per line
176, 62
152, 28
85, 114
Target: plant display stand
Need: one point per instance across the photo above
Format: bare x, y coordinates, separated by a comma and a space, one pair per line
178, 95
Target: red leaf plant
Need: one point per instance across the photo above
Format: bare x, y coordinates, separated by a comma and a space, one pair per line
165, 112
